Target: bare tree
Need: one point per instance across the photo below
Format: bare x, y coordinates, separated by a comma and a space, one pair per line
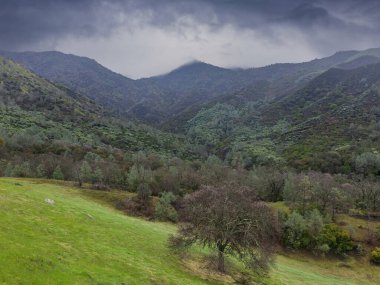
232, 221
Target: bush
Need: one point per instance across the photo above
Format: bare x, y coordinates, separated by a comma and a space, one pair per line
323, 249
164, 210
337, 239
375, 256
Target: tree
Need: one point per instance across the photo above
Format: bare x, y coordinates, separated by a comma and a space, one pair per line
299, 190
314, 222
143, 194
41, 171
295, 231
368, 163
269, 183
230, 220
22, 170
58, 174
98, 175
138, 175
85, 172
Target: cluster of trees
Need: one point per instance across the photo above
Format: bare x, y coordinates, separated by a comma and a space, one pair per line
310, 232
155, 174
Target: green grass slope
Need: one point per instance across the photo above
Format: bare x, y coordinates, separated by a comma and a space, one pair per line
80, 240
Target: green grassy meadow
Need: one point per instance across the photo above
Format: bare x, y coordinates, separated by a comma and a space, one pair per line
80, 240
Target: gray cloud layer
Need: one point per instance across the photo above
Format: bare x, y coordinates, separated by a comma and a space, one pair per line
145, 37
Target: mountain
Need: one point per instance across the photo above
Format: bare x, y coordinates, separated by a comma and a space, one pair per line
39, 116
359, 61
82, 75
324, 125
163, 99
267, 83
318, 114
22, 88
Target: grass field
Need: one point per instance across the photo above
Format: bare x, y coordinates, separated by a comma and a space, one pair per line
80, 240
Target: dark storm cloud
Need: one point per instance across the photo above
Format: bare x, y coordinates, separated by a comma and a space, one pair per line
26, 22
215, 30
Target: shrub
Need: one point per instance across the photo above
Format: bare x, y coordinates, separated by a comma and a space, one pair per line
337, 239
375, 256
323, 249
164, 210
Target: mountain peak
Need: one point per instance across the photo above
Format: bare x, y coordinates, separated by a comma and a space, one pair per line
195, 67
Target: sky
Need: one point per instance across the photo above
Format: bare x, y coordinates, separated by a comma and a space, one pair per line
142, 38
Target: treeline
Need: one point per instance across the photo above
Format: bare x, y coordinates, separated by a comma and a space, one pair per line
113, 168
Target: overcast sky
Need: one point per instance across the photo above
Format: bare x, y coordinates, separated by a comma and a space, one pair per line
140, 38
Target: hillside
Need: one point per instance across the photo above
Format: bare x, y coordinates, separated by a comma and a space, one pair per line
163, 99
323, 125
40, 117
78, 240
20, 87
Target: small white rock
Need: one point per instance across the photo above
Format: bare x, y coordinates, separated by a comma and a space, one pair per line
49, 201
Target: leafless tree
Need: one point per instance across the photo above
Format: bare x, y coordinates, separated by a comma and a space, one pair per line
231, 220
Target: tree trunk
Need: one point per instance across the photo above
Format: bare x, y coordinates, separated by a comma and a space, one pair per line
220, 260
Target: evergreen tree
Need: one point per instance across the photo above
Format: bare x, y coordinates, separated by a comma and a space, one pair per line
58, 174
